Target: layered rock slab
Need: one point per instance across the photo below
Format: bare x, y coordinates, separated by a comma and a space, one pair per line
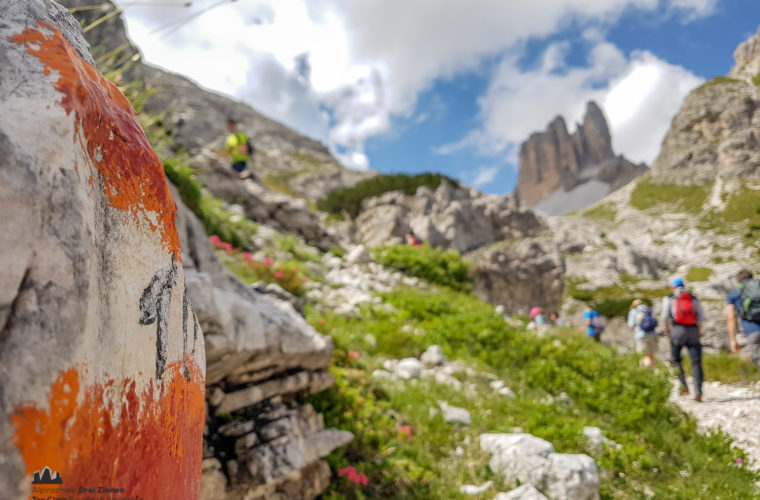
262, 441
99, 346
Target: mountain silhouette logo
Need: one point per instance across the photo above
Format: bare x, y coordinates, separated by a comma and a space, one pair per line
47, 477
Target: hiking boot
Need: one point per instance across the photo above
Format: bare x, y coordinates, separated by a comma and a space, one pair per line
245, 174
698, 398
684, 391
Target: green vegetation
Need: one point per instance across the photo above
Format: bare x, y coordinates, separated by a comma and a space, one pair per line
615, 300
279, 182
756, 80
406, 451
217, 220
605, 212
718, 80
442, 267
726, 368
686, 199
350, 199
699, 274
306, 158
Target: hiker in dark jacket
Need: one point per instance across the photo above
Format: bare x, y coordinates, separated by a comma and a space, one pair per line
682, 317
743, 301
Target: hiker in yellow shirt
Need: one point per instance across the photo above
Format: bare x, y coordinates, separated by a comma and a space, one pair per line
239, 149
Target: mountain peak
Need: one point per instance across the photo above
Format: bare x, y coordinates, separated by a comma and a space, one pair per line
556, 161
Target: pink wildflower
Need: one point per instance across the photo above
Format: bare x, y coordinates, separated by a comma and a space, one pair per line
406, 430
353, 354
268, 261
739, 460
353, 476
214, 239
247, 256
278, 274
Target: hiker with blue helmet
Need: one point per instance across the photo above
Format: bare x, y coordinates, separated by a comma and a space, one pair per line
682, 316
644, 325
744, 302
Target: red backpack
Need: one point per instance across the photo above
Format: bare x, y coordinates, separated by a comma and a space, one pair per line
684, 312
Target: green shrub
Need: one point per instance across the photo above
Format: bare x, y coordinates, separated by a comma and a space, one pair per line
217, 220
661, 447
756, 80
699, 274
718, 80
615, 301
686, 199
350, 199
442, 267
604, 212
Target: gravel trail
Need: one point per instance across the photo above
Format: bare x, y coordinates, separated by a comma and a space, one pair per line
734, 408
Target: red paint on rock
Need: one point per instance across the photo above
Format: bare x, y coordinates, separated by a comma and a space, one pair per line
147, 442
132, 174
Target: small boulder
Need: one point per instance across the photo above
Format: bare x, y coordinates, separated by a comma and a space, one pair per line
409, 368
359, 255
433, 356
454, 415
472, 489
524, 492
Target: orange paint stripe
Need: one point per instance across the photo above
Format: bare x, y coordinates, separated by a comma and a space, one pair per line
131, 173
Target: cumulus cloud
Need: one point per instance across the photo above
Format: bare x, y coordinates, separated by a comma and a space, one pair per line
485, 175
362, 63
639, 94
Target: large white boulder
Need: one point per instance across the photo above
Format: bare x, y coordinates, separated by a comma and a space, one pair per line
101, 358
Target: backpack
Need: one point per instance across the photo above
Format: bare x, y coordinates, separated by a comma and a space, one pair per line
597, 323
749, 294
248, 147
684, 311
646, 321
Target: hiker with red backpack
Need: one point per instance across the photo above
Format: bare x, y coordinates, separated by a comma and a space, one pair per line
682, 316
744, 301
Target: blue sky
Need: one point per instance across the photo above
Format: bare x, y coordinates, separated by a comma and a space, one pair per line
451, 86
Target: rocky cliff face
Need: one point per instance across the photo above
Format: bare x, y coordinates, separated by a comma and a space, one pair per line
100, 350
716, 134
747, 57
196, 117
557, 162
261, 441
519, 272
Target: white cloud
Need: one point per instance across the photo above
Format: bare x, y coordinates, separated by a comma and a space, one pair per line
485, 175
639, 94
364, 62
694, 9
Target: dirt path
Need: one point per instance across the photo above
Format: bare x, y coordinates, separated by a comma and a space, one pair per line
734, 408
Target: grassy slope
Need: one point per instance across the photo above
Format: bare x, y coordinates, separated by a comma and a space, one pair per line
661, 448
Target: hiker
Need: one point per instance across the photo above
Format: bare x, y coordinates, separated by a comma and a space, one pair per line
682, 317
239, 149
593, 324
744, 301
644, 325
537, 316
411, 239
555, 320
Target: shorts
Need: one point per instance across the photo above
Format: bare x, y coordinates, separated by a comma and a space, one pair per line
239, 166
647, 345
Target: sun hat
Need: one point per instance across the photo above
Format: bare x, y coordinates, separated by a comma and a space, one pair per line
535, 312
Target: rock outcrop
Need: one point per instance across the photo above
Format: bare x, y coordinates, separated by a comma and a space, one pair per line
100, 350
747, 57
716, 134
261, 441
520, 274
259, 204
449, 217
555, 164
